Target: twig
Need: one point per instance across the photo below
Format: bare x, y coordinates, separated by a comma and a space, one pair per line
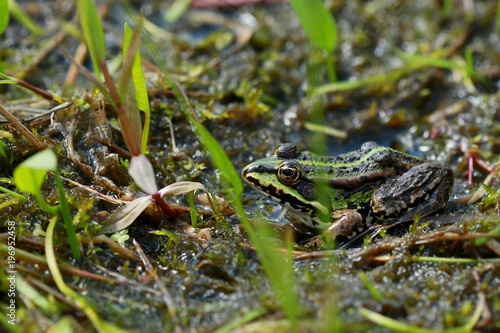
115, 247
21, 128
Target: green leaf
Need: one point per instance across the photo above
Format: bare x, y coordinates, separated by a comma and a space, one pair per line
92, 32
141, 91
4, 15
125, 215
30, 174
318, 23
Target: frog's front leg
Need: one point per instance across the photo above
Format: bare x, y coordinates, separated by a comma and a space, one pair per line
422, 190
347, 224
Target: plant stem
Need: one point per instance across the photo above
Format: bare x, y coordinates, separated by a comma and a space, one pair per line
66, 214
163, 205
332, 73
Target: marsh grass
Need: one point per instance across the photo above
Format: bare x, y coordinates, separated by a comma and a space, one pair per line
279, 269
278, 265
413, 62
18, 13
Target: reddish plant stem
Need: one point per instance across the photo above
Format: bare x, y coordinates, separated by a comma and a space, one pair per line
111, 85
164, 206
127, 131
42, 93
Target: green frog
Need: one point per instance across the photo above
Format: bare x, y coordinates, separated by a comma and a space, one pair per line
345, 194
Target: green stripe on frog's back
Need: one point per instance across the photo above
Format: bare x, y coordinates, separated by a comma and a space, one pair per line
351, 170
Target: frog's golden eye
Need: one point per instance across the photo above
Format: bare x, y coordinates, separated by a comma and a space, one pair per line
290, 173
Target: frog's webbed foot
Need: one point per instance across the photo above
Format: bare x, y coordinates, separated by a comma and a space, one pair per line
422, 190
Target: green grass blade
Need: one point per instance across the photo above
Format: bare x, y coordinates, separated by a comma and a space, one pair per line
4, 15
18, 13
13, 194
129, 58
219, 158
176, 10
66, 214
318, 23
30, 175
141, 91
129, 116
92, 32
421, 60
493, 232
80, 301
398, 326
498, 18
2, 151
279, 270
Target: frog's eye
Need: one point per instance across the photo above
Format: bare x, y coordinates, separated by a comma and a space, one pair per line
290, 173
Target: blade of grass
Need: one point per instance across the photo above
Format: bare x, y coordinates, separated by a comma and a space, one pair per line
127, 112
149, 26
141, 92
321, 29
64, 325
395, 325
4, 15
100, 325
13, 194
193, 212
29, 176
317, 22
498, 18
246, 318
46, 304
371, 288
18, 13
67, 218
357, 84
129, 57
484, 240
279, 270
176, 10
92, 32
